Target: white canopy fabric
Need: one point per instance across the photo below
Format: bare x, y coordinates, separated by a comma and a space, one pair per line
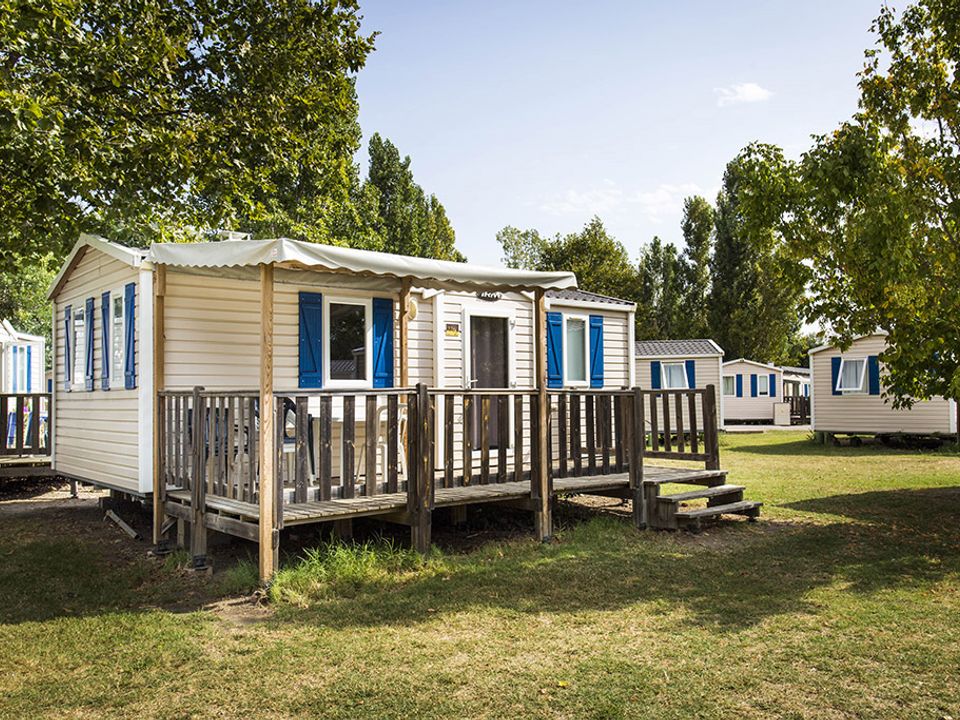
293, 253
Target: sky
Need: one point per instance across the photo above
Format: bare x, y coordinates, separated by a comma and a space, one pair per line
543, 114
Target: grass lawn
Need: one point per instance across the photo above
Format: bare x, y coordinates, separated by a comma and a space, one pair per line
843, 601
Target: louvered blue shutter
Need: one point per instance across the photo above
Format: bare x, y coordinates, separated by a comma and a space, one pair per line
129, 336
834, 375
654, 374
873, 376
753, 384
88, 337
554, 350
739, 384
67, 346
106, 328
29, 370
382, 343
806, 390
691, 366
596, 351
773, 384
311, 340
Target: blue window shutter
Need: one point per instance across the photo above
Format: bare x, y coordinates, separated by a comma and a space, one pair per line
691, 366
596, 351
29, 370
67, 346
655, 380
753, 384
739, 384
554, 350
873, 374
773, 385
834, 375
806, 390
382, 343
129, 336
105, 329
15, 374
88, 337
311, 340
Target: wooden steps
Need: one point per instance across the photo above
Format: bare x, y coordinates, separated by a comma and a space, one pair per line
667, 512
692, 518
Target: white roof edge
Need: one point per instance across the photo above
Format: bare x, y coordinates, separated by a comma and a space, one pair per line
674, 357
432, 273
827, 346
131, 256
615, 307
754, 362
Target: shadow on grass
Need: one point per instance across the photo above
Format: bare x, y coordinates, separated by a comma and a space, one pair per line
731, 578
809, 448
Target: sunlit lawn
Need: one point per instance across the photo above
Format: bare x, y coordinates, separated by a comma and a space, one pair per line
843, 601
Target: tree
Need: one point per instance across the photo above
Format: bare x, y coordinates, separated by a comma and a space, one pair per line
410, 223
148, 120
757, 284
522, 249
697, 226
880, 223
660, 292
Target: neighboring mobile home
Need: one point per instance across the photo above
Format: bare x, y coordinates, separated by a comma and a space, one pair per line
796, 381
848, 395
22, 365
680, 365
750, 391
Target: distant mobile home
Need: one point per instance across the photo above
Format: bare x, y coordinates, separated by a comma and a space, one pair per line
22, 366
848, 395
751, 390
680, 365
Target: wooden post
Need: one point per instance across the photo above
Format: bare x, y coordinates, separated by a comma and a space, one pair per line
421, 484
269, 534
159, 350
198, 489
637, 442
404, 333
711, 440
540, 488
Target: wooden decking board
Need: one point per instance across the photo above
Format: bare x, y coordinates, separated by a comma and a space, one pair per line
731, 509
391, 503
704, 493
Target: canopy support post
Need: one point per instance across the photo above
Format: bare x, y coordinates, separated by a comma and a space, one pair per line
269, 532
543, 516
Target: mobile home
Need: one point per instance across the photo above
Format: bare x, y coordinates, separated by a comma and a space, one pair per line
680, 365
849, 395
21, 360
751, 390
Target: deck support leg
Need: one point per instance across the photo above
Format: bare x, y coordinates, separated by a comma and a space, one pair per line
343, 529
73, 488
459, 515
540, 491
636, 441
181, 533
420, 498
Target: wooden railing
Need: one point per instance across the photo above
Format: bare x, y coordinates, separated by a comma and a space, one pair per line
681, 425
590, 432
26, 428
799, 408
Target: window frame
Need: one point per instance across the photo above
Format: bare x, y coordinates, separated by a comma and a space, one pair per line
79, 359
327, 361
117, 380
764, 377
861, 389
733, 385
663, 374
585, 319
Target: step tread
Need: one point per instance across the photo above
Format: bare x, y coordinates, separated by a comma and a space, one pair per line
704, 493
709, 475
729, 509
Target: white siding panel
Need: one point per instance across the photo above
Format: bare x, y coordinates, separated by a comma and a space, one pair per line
746, 407
97, 435
869, 413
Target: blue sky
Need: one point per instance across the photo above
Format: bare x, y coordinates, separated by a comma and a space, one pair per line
542, 114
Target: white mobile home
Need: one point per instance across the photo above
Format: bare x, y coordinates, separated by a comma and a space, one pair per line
751, 390
680, 365
848, 395
21, 361
796, 381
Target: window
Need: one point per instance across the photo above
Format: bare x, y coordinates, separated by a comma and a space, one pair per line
116, 338
763, 384
729, 385
79, 345
851, 375
674, 376
576, 348
348, 332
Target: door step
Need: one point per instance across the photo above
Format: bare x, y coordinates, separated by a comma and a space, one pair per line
692, 518
716, 491
707, 478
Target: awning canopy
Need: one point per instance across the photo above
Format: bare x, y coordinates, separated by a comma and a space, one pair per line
423, 272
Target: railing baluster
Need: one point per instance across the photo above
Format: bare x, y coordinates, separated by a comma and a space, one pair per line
562, 436
393, 441
667, 439
468, 419
19, 424
604, 402
694, 433
371, 426
575, 441
517, 438
503, 436
678, 406
484, 439
326, 447
348, 445
302, 460
448, 430
654, 424
591, 436
620, 434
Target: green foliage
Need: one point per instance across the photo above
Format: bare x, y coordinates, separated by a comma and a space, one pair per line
880, 218
660, 292
147, 120
23, 294
408, 221
522, 249
698, 227
757, 284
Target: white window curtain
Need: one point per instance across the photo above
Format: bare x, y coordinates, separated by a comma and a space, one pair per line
851, 375
674, 376
576, 350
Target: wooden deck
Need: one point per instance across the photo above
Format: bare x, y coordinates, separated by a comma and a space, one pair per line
396, 503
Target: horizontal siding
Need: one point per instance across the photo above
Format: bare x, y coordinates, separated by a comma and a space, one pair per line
869, 413
96, 432
707, 372
746, 407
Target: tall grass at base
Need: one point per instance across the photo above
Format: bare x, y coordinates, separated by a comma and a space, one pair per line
339, 569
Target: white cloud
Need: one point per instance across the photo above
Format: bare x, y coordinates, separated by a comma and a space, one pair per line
741, 93
663, 201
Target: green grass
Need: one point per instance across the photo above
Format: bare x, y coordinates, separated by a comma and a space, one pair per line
843, 602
